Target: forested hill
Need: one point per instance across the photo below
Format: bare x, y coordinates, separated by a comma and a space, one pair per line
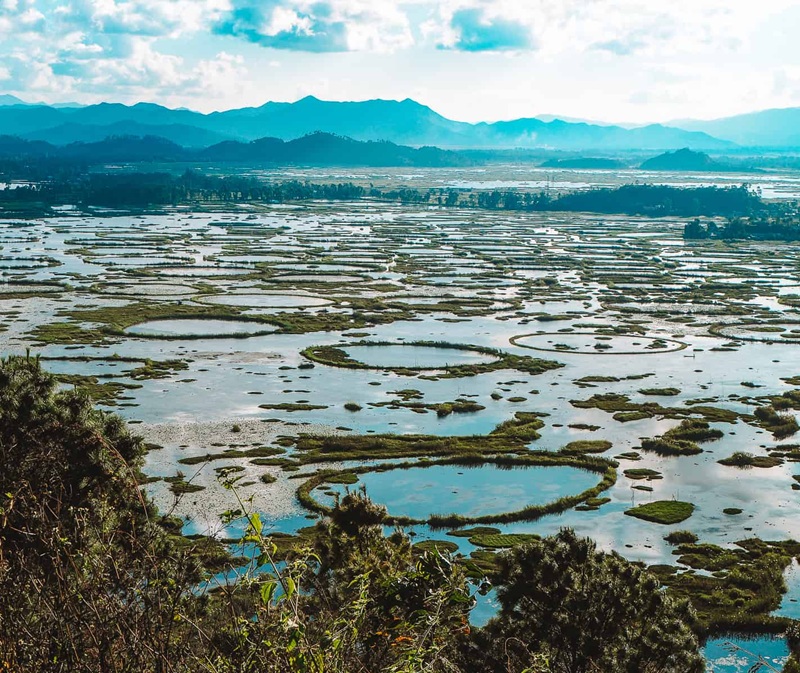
316, 149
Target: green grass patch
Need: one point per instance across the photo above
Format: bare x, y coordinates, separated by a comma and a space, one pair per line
665, 512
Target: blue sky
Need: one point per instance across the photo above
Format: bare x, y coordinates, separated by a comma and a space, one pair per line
473, 60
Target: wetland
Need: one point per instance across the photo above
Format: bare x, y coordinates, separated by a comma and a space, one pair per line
524, 370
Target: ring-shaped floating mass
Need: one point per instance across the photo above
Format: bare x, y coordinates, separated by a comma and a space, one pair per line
596, 343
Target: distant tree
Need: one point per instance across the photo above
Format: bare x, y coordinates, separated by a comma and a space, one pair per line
694, 230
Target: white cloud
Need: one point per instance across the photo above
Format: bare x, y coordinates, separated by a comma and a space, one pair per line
599, 58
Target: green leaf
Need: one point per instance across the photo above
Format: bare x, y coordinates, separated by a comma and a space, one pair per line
255, 522
267, 591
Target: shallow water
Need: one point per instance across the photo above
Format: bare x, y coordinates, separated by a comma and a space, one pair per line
187, 327
739, 655
415, 356
468, 491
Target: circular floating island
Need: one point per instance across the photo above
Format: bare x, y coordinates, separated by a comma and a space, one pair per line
454, 492
783, 332
197, 271
264, 300
415, 356
420, 356
30, 288
197, 328
421, 492
148, 289
316, 278
595, 343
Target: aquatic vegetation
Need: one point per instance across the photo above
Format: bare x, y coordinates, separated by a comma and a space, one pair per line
502, 541
293, 406
526, 513
681, 440
681, 537
780, 425
256, 452
642, 473
587, 446
746, 585
745, 459
665, 512
179, 486
596, 343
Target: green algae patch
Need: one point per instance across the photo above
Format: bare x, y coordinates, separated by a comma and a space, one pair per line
666, 512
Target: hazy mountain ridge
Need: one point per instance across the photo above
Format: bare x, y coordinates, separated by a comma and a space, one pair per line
402, 122
320, 149
776, 128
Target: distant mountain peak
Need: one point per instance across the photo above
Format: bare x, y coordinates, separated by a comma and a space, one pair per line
8, 99
683, 159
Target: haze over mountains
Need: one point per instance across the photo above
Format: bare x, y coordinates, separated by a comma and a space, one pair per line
403, 122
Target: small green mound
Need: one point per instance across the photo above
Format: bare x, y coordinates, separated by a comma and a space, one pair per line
670, 447
628, 416
744, 459
665, 512
587, 446
501, 541
475, 530
681, 537
732, 511
681, 440
440, 546
629, 455
342, 478
667, 392
642, 473
780, 425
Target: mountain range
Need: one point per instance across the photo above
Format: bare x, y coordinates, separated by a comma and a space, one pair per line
403, 122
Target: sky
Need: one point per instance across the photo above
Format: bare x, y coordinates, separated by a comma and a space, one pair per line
472, 60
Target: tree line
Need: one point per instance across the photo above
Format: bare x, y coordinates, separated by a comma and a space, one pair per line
142, 190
